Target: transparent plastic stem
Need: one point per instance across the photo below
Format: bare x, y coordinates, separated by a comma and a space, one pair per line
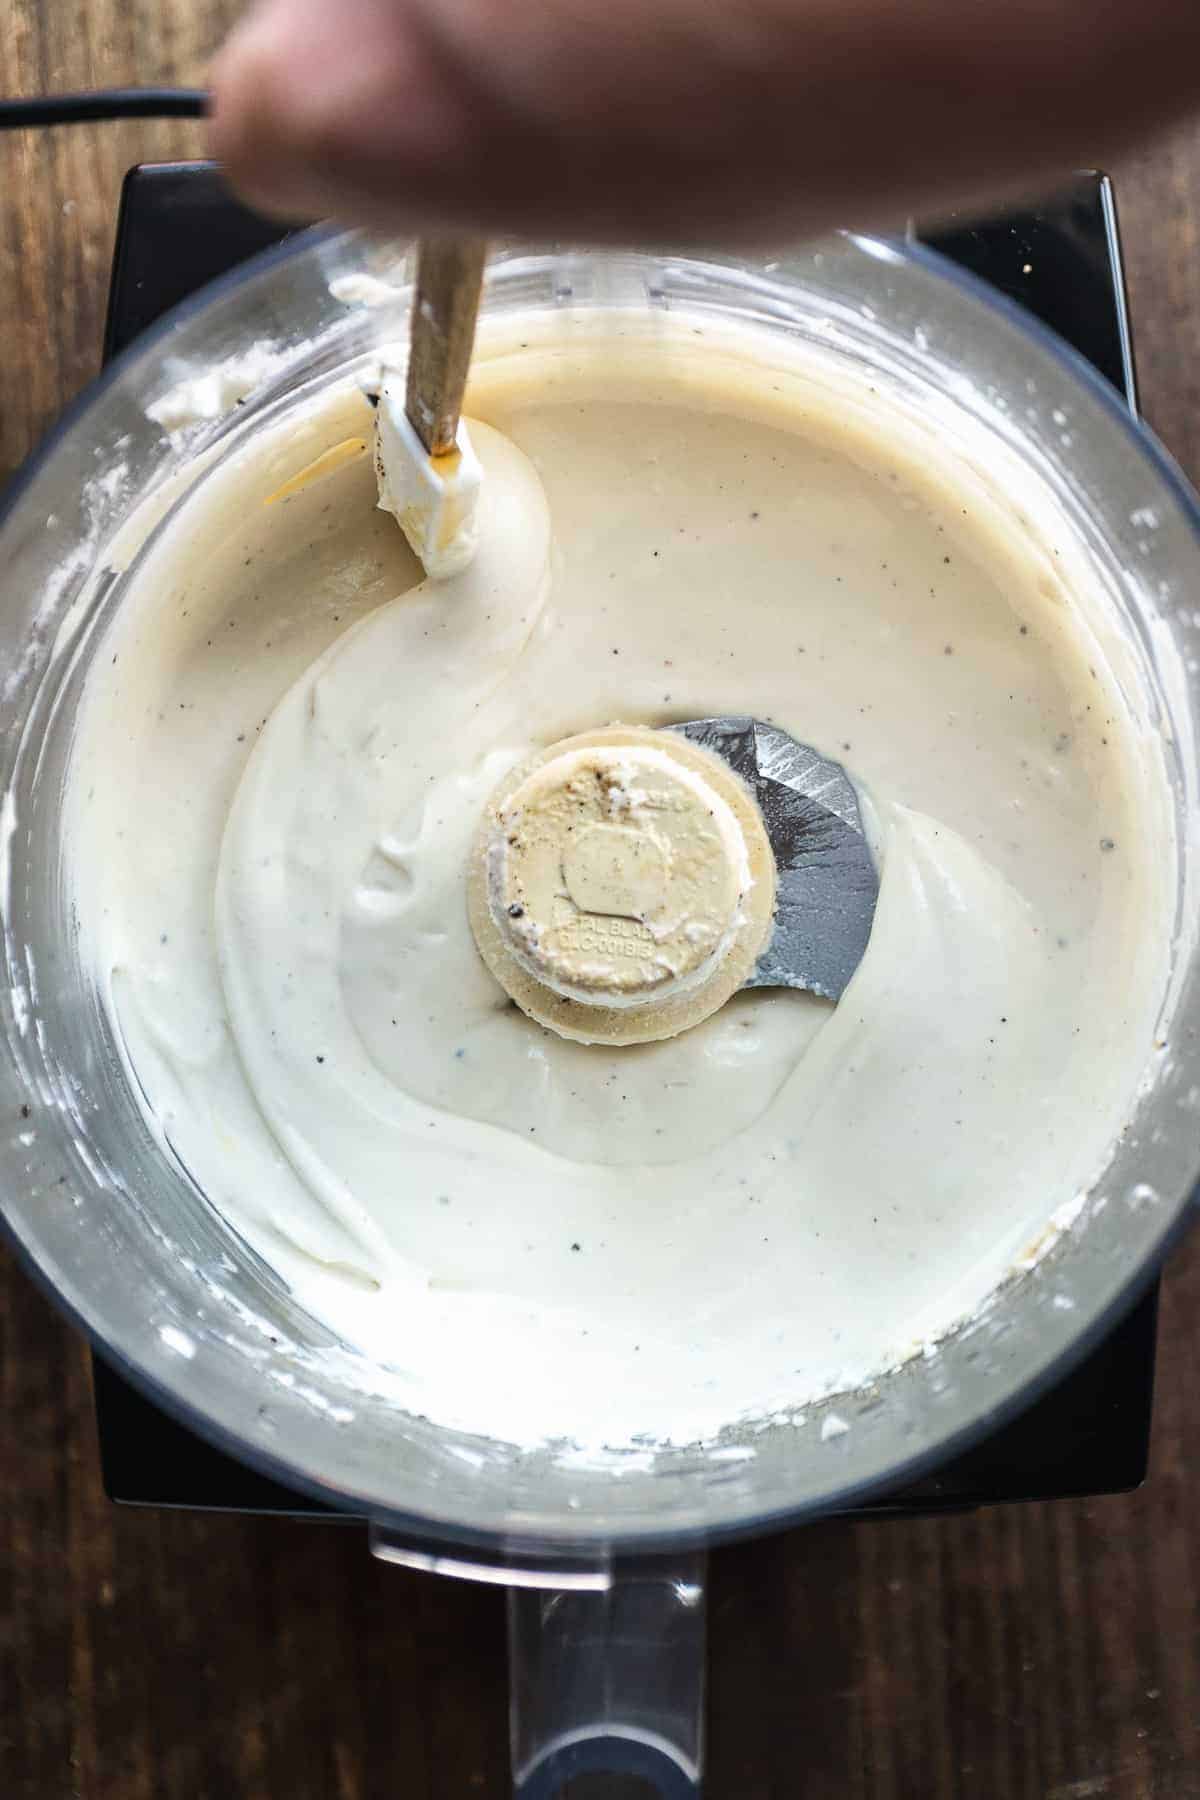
607, 1687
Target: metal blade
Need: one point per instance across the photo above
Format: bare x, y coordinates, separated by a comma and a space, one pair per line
827, 883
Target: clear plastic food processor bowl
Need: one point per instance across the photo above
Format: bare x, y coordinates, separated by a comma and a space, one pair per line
606, 1649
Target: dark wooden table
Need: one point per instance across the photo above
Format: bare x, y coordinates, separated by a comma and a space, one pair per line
1046, 1651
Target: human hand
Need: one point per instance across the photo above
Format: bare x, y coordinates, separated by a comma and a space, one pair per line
683, 121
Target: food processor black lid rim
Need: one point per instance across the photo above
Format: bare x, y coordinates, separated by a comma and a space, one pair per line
433, 1532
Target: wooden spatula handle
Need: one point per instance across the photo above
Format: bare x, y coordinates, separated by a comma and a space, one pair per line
449, 279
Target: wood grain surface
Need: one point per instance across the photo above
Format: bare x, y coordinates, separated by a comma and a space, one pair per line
1048, 1651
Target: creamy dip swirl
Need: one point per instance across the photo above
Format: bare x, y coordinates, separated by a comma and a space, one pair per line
281, 765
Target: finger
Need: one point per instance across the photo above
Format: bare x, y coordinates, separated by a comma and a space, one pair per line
317, 108
687, 121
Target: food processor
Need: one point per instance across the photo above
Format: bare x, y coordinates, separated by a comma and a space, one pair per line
604, 1566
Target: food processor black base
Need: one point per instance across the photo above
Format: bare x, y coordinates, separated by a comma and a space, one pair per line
179, 227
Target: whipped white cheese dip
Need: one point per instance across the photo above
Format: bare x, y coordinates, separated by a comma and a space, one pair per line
282, 761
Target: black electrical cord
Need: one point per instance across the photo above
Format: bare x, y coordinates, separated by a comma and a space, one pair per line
103, 103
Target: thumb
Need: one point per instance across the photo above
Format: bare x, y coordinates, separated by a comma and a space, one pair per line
344, 109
